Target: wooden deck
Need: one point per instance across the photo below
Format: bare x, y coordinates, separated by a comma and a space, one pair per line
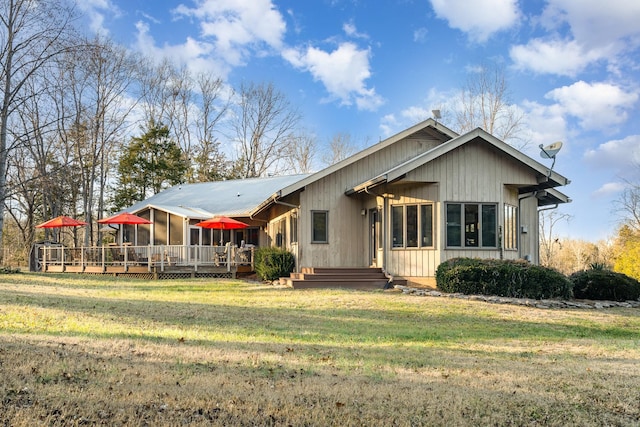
151, 262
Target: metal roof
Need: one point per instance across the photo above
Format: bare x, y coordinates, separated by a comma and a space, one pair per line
207, 199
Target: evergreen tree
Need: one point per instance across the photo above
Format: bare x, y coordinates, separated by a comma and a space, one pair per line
148, 165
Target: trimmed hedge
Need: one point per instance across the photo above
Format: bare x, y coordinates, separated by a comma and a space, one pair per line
273, 263
515, 279
597, 284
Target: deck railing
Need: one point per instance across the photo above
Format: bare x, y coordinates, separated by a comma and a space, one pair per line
60, 258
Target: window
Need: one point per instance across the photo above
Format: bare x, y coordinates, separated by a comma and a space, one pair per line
472, 225
412, 226
510, 227
319, 227
426, 219
397, 226
293, 227
281, 233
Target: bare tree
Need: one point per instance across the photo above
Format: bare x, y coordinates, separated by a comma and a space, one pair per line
154, 92
95, 104
193, 107
301, 150
628, 206
550, 243
484, 102
37, 172
209, 161
263, 120
340, 147
32, 32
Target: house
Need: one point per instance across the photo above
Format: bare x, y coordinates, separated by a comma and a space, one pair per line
405, 204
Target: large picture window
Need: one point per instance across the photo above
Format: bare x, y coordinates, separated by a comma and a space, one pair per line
472, 225
412, 226
319, 227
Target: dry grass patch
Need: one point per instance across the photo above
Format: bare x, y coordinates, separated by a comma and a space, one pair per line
79, 350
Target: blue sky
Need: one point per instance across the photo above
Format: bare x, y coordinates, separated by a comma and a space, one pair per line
372, 69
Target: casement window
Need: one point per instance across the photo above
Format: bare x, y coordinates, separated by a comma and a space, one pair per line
412, 226
472, 225
319, 227
510, 227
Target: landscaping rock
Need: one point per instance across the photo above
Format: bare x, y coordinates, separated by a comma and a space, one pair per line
542, 304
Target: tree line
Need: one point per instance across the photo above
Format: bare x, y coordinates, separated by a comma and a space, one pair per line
88, 127
619, 253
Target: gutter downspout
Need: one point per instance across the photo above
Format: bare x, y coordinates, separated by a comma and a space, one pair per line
548, 208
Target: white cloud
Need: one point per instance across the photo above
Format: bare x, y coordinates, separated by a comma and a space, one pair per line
420, 35
563, 57
546, 124
413, 114
597, 105
416, 114
343, 72
608, 189
581, 32
95, 11
595, 24
388, 125
192, 53
621, 155
237, 26
350, 29
479, 18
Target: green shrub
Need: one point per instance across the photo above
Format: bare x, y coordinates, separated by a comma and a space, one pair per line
517, 279
273, 263
598, 284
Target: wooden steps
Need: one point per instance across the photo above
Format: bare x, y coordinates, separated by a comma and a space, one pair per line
350, 278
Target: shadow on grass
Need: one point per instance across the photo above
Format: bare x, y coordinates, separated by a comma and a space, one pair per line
305, 323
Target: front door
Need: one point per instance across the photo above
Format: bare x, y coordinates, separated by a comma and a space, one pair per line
374, 233
194, 242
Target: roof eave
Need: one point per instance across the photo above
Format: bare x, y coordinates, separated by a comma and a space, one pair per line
550, 197
381, 179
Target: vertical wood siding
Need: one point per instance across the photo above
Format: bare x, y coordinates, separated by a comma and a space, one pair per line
475, 172
348, 229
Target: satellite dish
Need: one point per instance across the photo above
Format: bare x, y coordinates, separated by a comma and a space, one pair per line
436, 114
550, 151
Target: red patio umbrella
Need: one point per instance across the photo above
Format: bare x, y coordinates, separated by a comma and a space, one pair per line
222, 223
125, 218
61, 221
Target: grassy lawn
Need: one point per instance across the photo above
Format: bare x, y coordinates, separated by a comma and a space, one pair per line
85, 350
